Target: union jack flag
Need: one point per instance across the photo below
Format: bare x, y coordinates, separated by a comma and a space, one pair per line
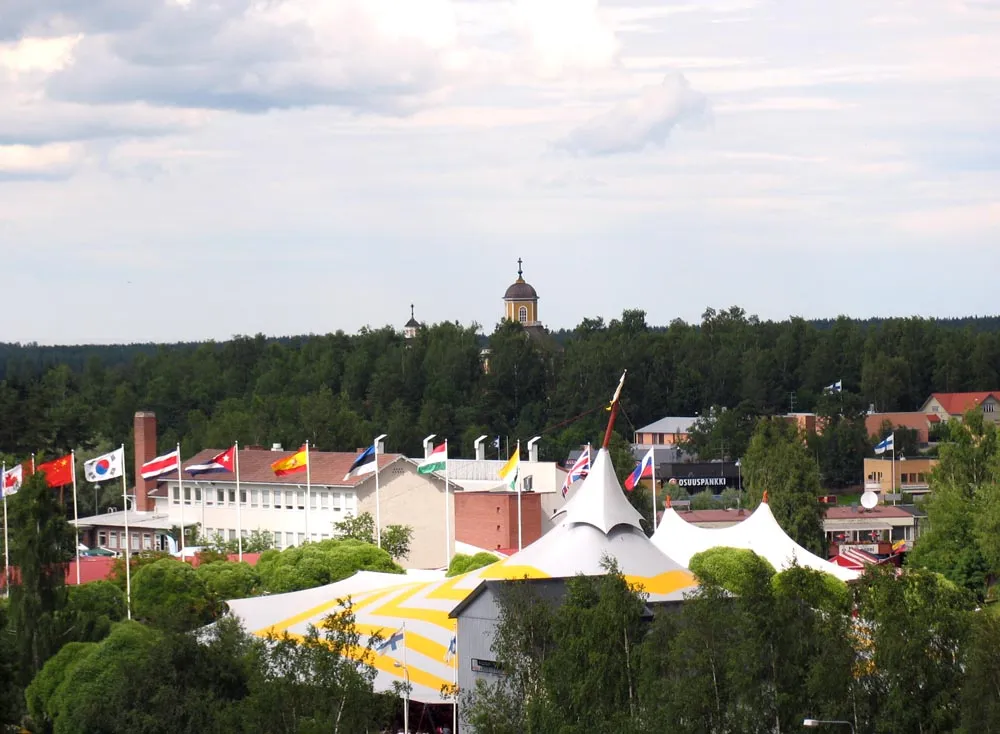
578, 471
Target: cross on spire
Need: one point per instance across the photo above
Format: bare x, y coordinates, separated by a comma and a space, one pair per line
411, 310
519, 273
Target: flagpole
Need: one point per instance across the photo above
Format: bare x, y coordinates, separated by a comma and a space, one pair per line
653, 466
406, 689
308, 489
893, 434
128, 538
180, 491
6, 551
378, 503
239, 505
447, 513
76, 516
517, 479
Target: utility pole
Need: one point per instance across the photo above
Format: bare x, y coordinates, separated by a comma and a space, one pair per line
791, 402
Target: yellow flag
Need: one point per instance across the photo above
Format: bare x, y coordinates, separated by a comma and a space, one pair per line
509, 471
295, 463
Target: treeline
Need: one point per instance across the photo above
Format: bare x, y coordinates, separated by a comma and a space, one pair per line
340, 390
750, 651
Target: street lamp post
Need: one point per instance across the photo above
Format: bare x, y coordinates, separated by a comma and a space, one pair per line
813, 723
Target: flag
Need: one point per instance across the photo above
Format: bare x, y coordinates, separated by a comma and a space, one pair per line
435, 462
108, 466
220, 462
291, 465
161, 465
364, 463
886, 444
580, 469
618, 391
451, 649
509, 471
59, 472
643, 470
835, 387
12, 480
390, 642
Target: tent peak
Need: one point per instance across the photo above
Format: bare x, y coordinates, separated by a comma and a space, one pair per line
600, 500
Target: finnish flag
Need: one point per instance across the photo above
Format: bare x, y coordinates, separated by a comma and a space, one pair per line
835, 387
886, 444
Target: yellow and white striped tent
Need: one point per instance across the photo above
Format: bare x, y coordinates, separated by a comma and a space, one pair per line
597, 522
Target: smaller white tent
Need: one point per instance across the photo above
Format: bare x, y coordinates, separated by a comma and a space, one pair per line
760, 533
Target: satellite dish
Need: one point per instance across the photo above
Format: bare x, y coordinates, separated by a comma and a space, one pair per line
869, 500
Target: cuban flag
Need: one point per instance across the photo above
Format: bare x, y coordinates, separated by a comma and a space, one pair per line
396, 638
221, 462
886, 444
644, 470
108, 466
580, 469
835, 387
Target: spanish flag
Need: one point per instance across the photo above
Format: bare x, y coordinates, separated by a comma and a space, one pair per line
510, 469
295, 463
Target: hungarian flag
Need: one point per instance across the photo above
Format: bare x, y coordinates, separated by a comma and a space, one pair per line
161, 465
299, 461
437, 461
59, 472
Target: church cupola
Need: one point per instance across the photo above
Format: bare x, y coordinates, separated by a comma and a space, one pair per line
521, 301
411, 327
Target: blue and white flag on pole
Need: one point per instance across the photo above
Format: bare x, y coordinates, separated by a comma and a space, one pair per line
886, 444
835, 387
451, 649
396, 638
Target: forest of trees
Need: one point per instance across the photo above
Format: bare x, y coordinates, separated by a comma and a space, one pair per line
340, 390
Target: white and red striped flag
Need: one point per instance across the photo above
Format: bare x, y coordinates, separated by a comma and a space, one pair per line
161, 465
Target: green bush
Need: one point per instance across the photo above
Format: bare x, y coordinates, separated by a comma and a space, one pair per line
169, 594
823, 590
317, 564
92, 608
462, 563
226, 580
39, 693
730, 568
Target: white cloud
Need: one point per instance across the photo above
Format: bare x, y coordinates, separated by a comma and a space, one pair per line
39, 162
567, 35
635, 124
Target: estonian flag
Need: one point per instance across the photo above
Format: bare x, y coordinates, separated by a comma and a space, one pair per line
364, 464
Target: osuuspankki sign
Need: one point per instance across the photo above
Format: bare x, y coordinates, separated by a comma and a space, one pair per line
700, 481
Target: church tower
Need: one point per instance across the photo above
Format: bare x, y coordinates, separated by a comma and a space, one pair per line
412, 326
521, 301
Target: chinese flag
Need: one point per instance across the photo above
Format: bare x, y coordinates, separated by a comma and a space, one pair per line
59, 472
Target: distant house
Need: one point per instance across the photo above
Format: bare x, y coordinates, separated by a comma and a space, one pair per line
917, 421
942, 406
668, 431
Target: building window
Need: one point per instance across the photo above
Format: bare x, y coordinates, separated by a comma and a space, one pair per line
254, 497
135, 541
147, 541
102, 538
221, 496
989, 407
232, 534
300, 496
289, 539
324, 500
312, 500
277, 499
302, 538
197, 494
113, 540
177, 495
335, 496
265, 498
209, 497
232, 496
522, 315
289, 499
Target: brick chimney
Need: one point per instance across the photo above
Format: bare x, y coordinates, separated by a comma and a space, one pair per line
144, 430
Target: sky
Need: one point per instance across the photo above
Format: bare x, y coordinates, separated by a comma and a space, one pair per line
180, 170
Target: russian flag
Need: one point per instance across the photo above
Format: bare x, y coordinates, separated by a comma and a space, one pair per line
643, 470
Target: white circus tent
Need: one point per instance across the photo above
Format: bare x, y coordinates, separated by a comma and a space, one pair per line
760, 532
597, 522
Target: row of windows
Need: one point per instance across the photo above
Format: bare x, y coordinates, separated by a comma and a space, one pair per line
280, 539
288, 499
114, 540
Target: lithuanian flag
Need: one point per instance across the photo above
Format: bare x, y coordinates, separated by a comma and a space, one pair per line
295, 463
